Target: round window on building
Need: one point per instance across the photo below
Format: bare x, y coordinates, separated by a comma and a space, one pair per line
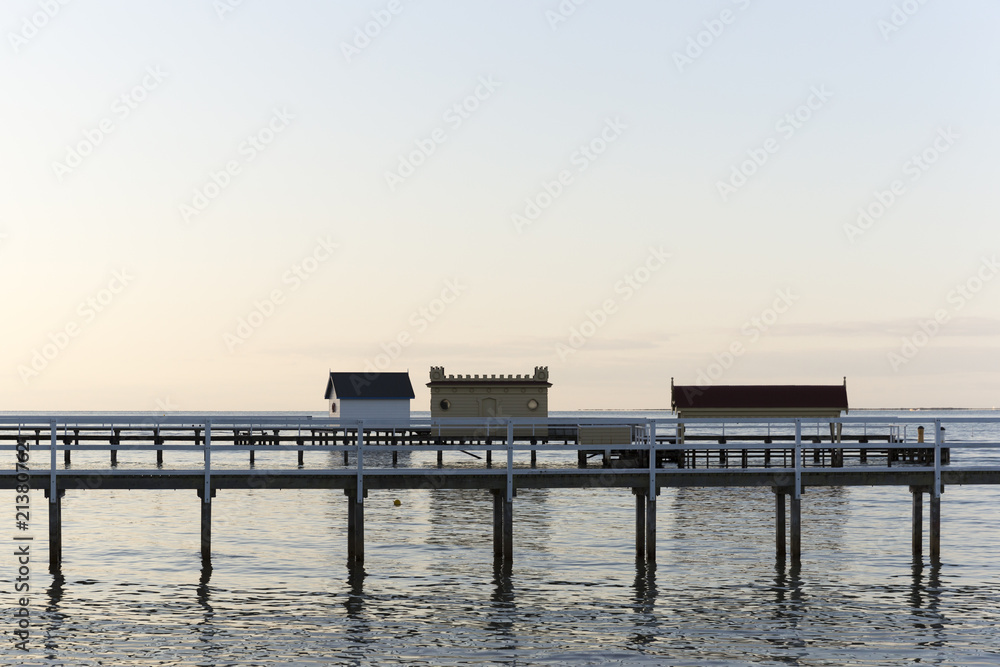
532, 404
445, 404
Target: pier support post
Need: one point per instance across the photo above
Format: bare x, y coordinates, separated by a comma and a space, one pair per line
795, 505
917, 527
935, 529
302, 455
115, 439
640, 522
440, 458
55, 530
779, 524
206, 526
650, 498
498, 503
355, 527
508, 529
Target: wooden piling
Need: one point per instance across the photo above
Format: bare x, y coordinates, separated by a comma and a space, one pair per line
508, 530
114, 444
534, 441
206, 525
251, 457
640, 522
55, 530
302, 455
917, 525
497, 522
935, 530
355, 527
795, 505
650, 498
779, 524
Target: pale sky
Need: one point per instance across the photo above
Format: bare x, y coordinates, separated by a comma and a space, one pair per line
208, 204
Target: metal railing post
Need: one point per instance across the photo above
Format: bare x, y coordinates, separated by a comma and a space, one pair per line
652, 460
798, 459
53, 495
937, 459
510, 461
207, 497
361, 469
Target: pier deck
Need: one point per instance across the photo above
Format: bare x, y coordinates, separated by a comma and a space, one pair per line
215, 453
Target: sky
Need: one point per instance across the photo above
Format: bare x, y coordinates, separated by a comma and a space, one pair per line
209, 204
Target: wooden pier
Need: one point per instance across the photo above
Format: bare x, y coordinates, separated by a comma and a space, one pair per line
784, 455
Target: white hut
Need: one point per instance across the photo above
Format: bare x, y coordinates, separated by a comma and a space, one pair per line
382, 396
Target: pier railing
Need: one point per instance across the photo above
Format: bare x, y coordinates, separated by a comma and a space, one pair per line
645, 455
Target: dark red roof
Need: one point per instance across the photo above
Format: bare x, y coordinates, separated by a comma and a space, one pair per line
761, 396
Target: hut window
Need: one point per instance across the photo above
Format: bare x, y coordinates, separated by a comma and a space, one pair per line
445, 404
532, 404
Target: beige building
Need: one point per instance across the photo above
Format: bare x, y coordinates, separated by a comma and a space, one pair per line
491, 398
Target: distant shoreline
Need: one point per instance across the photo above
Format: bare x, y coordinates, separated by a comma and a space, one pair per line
851, 410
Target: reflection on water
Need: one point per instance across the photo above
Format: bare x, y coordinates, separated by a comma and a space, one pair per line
644, 620
925, 598
56, 617
503, 611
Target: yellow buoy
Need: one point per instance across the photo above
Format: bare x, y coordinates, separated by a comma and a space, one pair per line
396, 502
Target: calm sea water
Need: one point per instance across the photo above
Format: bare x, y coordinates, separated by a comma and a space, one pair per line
132, 591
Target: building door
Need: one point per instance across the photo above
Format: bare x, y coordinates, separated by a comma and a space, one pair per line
488, 408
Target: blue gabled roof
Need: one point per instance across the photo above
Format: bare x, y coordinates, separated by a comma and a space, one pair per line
369, 385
